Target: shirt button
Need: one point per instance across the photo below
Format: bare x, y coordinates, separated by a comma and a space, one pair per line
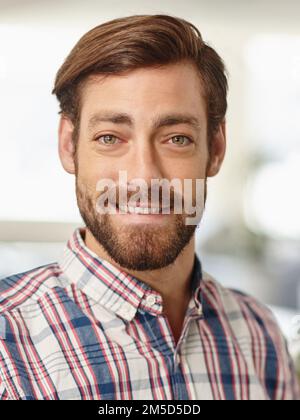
127, 310
151, 300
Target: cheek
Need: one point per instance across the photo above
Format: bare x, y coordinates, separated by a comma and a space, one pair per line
196, 168
91, 169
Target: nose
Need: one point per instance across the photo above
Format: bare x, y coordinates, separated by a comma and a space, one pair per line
144, 163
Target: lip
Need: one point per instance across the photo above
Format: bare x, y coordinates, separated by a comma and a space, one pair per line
143, 218
149, 215
143, 205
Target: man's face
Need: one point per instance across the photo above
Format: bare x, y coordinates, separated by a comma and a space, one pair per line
143, 150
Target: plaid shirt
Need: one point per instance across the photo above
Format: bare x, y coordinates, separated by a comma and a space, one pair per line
82, 329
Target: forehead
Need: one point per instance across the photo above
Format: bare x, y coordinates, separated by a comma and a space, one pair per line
174, 87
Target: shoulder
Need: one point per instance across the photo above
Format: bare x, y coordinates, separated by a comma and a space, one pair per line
25, 288
253, 325
235, 303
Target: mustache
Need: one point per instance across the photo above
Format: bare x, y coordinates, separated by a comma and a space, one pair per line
157, 199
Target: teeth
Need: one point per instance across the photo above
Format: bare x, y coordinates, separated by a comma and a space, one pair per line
139, 210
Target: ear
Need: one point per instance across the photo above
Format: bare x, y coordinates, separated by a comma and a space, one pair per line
218, 148
65, 144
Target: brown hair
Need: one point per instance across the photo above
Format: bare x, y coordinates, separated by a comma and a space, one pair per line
139, 41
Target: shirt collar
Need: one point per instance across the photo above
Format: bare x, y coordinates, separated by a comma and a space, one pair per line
115, 289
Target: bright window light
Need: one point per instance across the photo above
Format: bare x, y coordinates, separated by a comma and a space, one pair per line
272, 199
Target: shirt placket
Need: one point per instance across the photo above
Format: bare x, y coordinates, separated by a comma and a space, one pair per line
180, 388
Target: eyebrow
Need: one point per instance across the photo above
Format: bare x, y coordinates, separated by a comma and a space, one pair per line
158, 122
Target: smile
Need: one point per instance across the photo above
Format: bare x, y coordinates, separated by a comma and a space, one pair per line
143, 210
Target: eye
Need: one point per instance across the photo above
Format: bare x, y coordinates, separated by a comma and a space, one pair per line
181, 140
107, 139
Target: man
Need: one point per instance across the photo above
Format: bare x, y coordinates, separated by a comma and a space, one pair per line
127, 312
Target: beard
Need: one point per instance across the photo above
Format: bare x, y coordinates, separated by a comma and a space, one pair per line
138, 247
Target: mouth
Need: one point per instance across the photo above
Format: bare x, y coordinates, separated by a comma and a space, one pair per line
142, 209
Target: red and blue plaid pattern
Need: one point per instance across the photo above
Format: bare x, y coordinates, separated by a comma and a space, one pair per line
82, 329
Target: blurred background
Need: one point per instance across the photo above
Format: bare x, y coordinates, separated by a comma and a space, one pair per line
249, 237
